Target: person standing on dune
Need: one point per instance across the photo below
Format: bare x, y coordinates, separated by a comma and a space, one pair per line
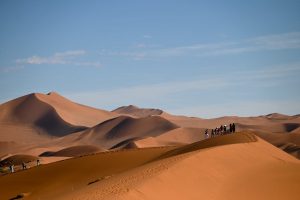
233, 127
206, 134
23, 165
11, 168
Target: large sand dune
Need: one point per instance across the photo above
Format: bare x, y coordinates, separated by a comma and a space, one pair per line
31, 111
74, 113
236, 166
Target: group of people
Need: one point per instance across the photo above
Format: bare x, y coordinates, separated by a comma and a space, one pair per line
222, 130
24, 166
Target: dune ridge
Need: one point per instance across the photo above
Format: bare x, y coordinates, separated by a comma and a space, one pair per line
119, 129
184, 172
30, 110
74, 151
137, 112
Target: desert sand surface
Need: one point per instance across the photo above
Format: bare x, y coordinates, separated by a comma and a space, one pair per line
235, 166
142, 153
37, 123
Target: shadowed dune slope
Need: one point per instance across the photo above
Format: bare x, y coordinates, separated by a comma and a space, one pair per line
74, 151
75, 113
17, 160
137, 112
114, 131
30, 110
288, 142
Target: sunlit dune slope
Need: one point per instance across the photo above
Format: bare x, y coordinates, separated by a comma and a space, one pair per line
234, 167
209, 169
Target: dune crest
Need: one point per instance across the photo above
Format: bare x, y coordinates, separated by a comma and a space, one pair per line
137, 112
119, 129
74, 151
29, 110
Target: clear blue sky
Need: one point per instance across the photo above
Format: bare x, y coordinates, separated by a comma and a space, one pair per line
200, 58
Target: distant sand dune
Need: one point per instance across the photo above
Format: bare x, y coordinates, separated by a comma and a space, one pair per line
137, 112
175, 137
114, 131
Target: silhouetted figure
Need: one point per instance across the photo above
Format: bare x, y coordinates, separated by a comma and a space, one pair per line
230, 128
225, 128
233, 127
221, 129
212, 133
206, 133
24, 166
38, 162
11, 169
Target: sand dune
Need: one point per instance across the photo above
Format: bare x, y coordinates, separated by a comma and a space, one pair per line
38, 123
53, 180
74, 113
236, 166
137, 112
225, 172
212, 169
31, 111
178, 136
276, 128
114, 131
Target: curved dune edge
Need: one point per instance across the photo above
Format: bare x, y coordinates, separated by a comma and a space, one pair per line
235, 138
254, 170
31, 110
174, 137
75, 113
60, 177
74, 151
114, 132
